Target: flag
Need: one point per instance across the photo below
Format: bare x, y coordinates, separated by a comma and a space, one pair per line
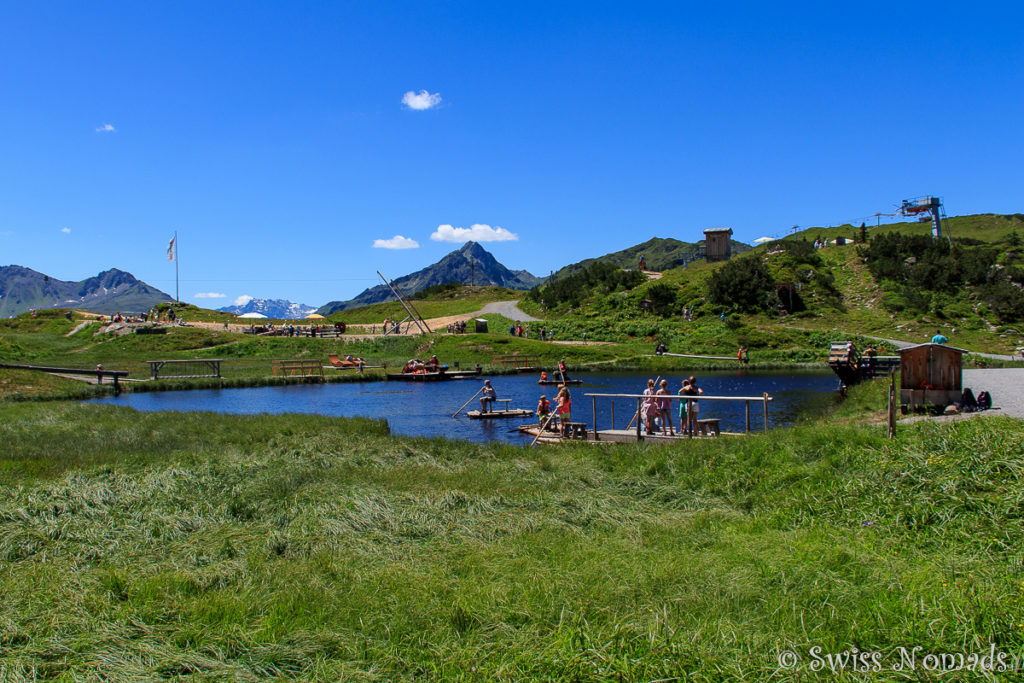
170, 249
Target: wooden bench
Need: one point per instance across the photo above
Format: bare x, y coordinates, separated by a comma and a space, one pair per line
501, 400
710, 423
574, 430
299, 368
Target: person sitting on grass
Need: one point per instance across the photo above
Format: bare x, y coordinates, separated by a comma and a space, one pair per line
488, 397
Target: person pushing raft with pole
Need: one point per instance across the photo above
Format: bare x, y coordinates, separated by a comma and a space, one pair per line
488, 397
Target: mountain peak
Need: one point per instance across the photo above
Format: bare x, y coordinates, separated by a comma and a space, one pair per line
473, 249
469, 264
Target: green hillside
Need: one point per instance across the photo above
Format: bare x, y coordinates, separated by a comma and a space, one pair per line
833, 290
660, 253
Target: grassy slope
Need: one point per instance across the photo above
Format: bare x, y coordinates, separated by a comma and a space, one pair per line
460, 302
861, 312
146, 545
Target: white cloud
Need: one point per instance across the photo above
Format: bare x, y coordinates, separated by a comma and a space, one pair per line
243, 300
396, 242
421, 100
106, 128
66, 231
210, 295
476, 232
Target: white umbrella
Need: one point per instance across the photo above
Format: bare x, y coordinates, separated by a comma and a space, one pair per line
252, 315
762, 240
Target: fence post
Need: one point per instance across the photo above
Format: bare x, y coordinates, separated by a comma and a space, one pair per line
747, 405
594, 399
639, 418
892, 405
764, 400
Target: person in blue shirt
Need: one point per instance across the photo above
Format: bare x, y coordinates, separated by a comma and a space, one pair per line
939, 338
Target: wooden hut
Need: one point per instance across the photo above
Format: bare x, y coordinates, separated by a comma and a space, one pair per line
719, 248
931, 375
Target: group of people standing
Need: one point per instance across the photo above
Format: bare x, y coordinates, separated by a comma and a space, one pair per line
656, 409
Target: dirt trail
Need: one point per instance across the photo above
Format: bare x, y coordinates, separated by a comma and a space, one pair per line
509, 309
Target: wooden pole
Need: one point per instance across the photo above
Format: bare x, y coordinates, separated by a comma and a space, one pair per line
691, 424
892, 405
639, 402
613, 414
542, 427
468, 402
594, 399
747, 404
765, 404
637, 413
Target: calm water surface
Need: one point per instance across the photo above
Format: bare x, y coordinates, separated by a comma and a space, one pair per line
425, 408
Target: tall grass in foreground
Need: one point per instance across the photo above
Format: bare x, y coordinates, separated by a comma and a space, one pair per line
153, 545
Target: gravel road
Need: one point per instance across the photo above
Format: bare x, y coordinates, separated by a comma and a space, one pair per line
1006, 386
509, 310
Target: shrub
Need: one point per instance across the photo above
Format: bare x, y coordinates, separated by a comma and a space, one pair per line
743, 283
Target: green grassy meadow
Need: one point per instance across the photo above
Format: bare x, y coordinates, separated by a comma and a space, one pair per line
210, 547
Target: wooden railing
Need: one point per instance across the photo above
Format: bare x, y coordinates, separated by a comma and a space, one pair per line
763, 399
97, 373
521, 361
185, 369
299, 368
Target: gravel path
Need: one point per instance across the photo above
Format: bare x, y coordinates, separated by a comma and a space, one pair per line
509, 310
1006, 386
903, 344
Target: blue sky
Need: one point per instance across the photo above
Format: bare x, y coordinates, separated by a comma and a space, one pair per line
273, 136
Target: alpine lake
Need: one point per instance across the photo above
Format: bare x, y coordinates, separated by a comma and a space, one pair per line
425, 409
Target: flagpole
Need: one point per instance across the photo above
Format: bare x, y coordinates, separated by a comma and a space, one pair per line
177, 251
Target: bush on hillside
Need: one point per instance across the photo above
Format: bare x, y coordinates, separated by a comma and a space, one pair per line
572, 290
744, 284
923, 267
437, 290
663, 299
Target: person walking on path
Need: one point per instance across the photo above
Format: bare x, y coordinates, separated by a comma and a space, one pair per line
939, 338
488, 396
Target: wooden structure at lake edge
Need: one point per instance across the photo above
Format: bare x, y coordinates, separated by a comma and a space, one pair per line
97, 373
931, 375
185, 369
504, 412
441, 375
299, 368
524, 362
851, 366
704, 426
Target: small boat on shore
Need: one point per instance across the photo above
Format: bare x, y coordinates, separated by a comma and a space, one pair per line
440, 375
